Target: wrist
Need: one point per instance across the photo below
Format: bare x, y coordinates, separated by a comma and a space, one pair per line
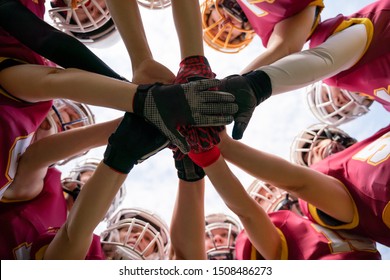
206, 158
260, 82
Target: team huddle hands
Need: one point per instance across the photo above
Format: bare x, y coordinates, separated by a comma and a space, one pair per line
334, 189
193, 103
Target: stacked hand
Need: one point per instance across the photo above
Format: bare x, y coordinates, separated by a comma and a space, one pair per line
193, 103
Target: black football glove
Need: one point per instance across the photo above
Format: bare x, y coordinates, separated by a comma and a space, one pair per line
171, 106
187, 170
249, 90
133, 141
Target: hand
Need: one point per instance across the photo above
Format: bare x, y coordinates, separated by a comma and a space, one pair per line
170, 106
249, 90
134, 141
200, 139
151, 71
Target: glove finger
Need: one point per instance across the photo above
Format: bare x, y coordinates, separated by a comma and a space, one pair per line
214, 120
216, 109
205, 84
216, 96
238, 130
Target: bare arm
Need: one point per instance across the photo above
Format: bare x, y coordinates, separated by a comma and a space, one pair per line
187, 228
127, 18
33, 164
188, 23
325, 192
284, 39
34, 83
261, 231
74, 238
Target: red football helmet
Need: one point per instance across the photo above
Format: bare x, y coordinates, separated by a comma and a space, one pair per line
225, 26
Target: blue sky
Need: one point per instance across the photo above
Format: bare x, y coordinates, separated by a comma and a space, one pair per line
153, 184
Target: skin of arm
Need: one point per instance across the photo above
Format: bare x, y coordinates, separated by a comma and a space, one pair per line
261, 231
284, 39
38, 156
187, 227
128, 21
325, 192
34, 83
188, 23
74, 238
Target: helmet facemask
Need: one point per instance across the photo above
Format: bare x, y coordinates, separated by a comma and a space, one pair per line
224, 227
136, 234
306, 141
271, 198
335, 106
89, 21
78, 176
154, 4
220, 39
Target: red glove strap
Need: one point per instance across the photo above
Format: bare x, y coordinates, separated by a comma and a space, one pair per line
206, 158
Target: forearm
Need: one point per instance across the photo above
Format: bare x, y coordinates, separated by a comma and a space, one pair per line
74, 238
66, 144
188, 23
128, 21
44, 83
310, 185
261, 231
188, 222
270, 168
284, 40
306, 67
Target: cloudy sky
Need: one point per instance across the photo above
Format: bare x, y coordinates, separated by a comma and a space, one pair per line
153, 184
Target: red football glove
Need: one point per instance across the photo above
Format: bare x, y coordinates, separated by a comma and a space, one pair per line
199, 138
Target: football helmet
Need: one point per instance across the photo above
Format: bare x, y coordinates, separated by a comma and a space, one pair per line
232, 228
271, 198
154, 4
87, 20
306, 141
65, 115
74, 182
219, 31
136, 234
332, 105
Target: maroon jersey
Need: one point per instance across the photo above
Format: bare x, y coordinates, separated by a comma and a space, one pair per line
364, 169
23, 222
18, 122
11, 47
264, 15
370, 75
305, 240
